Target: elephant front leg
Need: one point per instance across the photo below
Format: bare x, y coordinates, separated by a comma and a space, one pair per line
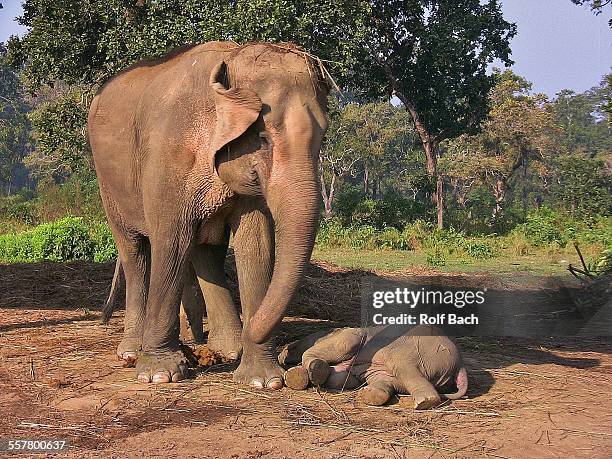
161, 360
254, 250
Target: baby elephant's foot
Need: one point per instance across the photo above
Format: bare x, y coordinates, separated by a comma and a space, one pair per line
163, 367
128, 350
297, 378
376, 396
425, 402
318, 371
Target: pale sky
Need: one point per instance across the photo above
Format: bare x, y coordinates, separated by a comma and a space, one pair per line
558, 46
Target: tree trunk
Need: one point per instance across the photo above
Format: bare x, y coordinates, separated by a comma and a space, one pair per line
525, 194
366, 180
431, 147
439, 199
499, 190
327, 197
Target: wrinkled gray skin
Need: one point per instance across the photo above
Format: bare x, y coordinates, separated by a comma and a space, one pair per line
192, 312
420, 362
210, 140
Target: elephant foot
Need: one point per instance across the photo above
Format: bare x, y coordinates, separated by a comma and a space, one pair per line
374, 396
318, 371
225, 344
128, 350
296, 378
163, 367
259, 368
425, 402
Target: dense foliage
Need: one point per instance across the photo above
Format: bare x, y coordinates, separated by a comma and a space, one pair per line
479, 148
431, 54
68, 239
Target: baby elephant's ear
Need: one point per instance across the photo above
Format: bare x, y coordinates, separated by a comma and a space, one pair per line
236, 109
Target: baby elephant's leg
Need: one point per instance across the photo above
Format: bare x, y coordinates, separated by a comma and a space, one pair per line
411, 380
379, 390
339, 346
292, 353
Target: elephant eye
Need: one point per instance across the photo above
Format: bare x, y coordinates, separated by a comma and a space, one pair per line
265, 140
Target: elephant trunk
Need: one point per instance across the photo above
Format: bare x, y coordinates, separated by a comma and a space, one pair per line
461, 381
295, 211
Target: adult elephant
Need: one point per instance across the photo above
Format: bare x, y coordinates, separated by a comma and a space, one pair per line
210, 139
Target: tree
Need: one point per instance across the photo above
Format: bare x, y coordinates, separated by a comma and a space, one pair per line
431, 54
585, 117
520, 134
363, 139
14, 126
596, 5
59, 129
583, 185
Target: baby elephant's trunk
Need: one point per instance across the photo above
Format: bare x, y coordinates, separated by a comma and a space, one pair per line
462, 385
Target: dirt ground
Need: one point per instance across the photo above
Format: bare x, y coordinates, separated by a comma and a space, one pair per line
59, 378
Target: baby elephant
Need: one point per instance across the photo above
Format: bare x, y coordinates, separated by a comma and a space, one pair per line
420, 362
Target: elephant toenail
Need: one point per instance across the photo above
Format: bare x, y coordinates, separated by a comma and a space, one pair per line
275, 383
160, 378
257, 382
144, 378
129, 356
176, 377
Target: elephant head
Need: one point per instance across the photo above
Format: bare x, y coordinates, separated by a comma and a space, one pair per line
270, 119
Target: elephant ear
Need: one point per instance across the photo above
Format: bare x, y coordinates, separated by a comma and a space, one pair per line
236, 108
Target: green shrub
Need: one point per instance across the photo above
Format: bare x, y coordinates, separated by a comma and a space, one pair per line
105, 249
436, 256
391, 238
479, 249
416, 233
363, 237
17, 208
64, 240
450, 239
16, 247
392, 210
544, 227
603, 264
332, 234
77, 196
67, 239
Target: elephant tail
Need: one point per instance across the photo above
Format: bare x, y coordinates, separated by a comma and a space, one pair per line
111, 302
462, 385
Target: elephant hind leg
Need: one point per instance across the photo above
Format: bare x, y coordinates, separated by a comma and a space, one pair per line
337, 346
296, 378
224, 326
410, 380
134, 253
192, 304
